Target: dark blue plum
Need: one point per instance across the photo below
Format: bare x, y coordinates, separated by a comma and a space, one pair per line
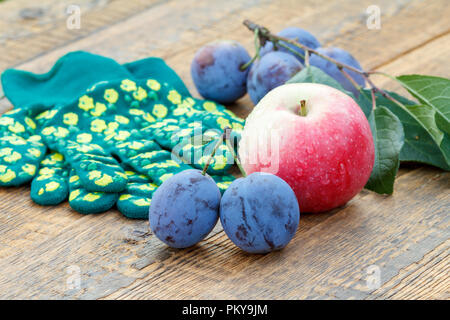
216, 71
259, 213
293, 33
184, 209
332, 70
269, 72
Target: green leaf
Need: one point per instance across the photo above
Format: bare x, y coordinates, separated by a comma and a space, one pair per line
432, 91
365, 101
442, 123
313, 74
444, 126
425, 116
421, 139
388, 136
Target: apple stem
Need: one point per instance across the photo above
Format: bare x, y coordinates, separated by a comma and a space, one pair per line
218, 144
303, 111
227, 133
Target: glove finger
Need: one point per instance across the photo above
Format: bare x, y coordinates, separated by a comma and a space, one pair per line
50, 186
135, 201
97, 170
147, 158
153, 162
196, 154
86, 202
137, 152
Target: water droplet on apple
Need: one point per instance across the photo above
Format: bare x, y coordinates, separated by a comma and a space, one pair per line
325, 180
341, 168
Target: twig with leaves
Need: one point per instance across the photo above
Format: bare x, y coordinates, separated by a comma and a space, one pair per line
265, 35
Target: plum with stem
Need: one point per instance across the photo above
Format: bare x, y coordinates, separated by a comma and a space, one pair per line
217, 73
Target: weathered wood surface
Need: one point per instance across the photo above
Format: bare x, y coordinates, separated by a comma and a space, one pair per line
405, 235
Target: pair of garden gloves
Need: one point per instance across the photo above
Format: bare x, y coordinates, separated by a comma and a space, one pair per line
104, 134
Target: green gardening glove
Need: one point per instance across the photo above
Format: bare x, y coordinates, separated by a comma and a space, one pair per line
115, 121
22, 149
51, 185
76, 72
113, 116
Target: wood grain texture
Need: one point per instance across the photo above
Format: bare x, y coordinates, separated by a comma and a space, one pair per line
178, 24
44, 27
328, 260
405, 235
434, 55
424, 279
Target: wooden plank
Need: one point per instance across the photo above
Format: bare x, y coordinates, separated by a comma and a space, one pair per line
178, 38
413, 25
178, 35
38, 244
23, 36
329, 260
434, 56
424, 279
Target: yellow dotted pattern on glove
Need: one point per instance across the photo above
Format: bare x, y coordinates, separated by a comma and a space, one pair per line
153, 84
86, 103
128, 85
6, 174
71, 119
99, 109
111, 95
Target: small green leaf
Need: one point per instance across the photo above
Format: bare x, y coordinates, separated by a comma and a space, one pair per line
365, 101
442, 123
313, 74
432, 91
444, 126
420, 144
425, 116
388, 136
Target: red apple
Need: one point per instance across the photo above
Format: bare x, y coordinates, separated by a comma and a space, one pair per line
325, 154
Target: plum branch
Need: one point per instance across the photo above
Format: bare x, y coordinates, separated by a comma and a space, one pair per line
264, 35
